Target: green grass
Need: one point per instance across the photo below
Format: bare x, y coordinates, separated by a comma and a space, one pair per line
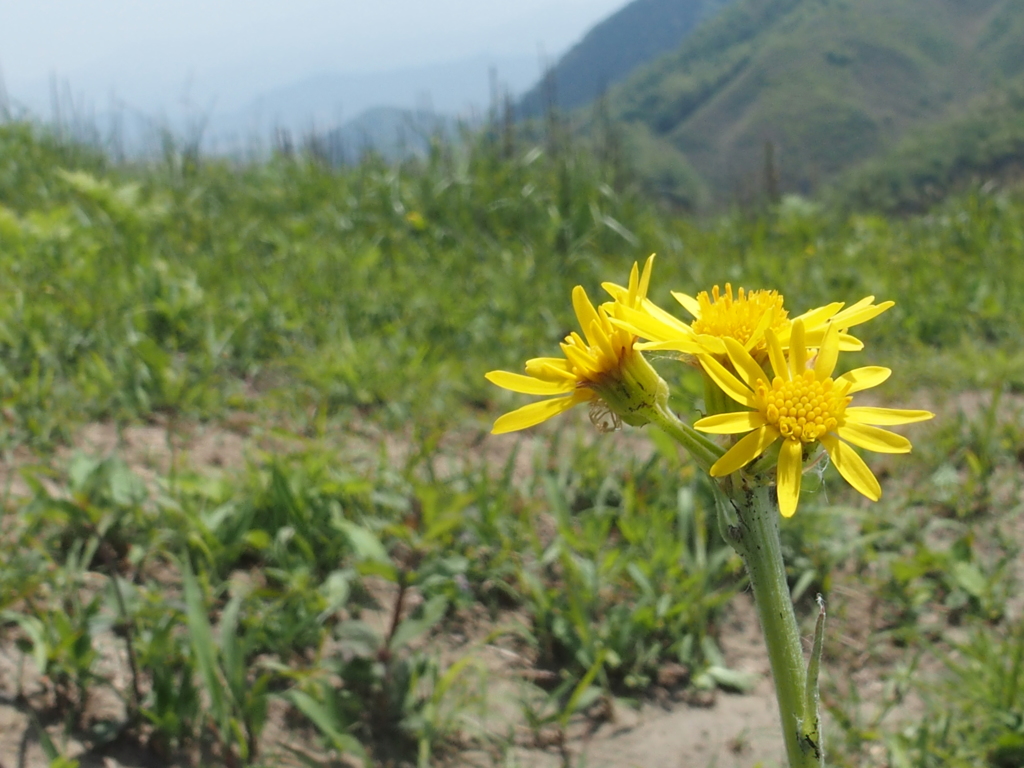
325, 576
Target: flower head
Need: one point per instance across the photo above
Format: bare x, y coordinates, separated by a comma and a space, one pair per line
600, 367
802, 405
745, 317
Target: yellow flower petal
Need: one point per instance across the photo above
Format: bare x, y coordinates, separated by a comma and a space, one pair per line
788, 475
635, 293
585, 312
634, 322
730, 423
616, 291
797, 349
864, 378
550, 369
745, 365
874, 438
713, 345
670, 346
777, 356
689, 303
828, 354
885, 417
852, 467
848, 343
600, 339
861, 312
534, 413
658, 313
729, 384
634, 284
579, 356
757, 336
816, 317
649, 326
645, 278
528, 385
745, 451
556, 362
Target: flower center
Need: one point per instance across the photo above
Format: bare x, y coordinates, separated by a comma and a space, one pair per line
594, 361
722, 315
804, 408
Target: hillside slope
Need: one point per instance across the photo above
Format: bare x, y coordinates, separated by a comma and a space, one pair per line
827, 83
633, 36
984, 144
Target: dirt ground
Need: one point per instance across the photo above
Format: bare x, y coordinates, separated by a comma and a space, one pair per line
719, 730
724, 730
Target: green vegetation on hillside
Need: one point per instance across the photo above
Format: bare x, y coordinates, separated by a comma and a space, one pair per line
828, 83
334, 592
985, 143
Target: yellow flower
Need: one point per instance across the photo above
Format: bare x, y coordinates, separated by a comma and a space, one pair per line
745, 317
601, 367
802, 405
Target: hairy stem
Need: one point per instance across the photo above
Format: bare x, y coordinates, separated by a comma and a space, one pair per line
756, 537
704, 451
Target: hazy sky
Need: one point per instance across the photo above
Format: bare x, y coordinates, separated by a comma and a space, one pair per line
155, 53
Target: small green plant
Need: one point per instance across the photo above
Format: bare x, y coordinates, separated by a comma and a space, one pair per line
976, 711
635, 581
237, 691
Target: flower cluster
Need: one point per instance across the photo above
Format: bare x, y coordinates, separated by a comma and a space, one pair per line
778, 369
602, 367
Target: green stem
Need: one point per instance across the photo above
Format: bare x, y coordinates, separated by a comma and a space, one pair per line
703, 450
756, 538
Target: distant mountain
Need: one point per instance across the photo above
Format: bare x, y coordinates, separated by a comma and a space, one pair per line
813, 87
327, 100
390, 132
635, 35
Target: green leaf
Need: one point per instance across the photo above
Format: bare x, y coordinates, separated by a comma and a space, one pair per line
326, 723
358, 638
155, 358
364, 543
970, 579
230, 647
805, 581
335, 591
582, 695
641, 580
385, 571
731, 679
711, 652
203, 648
36, 631
433, 611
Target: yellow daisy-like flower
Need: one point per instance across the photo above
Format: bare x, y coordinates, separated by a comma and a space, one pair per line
745, 317
600, 367
802, 405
